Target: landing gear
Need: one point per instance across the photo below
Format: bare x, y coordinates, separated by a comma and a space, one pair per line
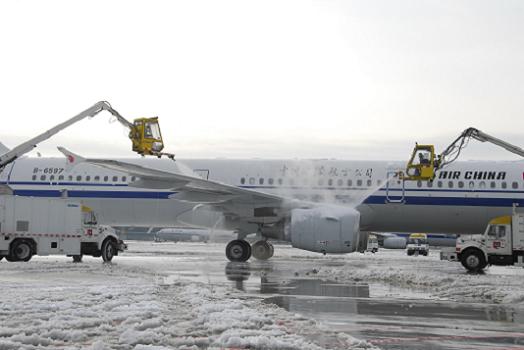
238, 250
262, 250
77, 258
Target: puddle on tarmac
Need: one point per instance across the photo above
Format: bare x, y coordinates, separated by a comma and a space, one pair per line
315, 296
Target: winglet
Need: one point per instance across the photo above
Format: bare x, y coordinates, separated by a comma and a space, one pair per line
71, 158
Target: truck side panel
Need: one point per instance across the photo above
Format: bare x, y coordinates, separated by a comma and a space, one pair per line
518, 232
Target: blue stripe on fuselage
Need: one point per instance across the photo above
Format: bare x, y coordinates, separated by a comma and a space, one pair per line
95, 194
449, 201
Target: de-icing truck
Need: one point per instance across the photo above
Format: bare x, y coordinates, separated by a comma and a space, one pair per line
37, 226
502, 243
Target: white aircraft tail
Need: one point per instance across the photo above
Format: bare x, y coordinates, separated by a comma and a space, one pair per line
72, 159
3, 148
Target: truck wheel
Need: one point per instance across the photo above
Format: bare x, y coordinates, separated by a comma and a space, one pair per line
410, 252
108, 250
21, 251
473, 260
77, 258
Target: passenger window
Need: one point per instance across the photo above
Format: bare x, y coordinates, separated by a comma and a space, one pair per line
461, 184
42, 177
429, 184
280, 182
124, 178
70, 177
97, 178
51, 178
330, 182
242, 180
106, 178
504, 184
88, 178
419, 183
251, 180
482, 184
369, 183
439, 184
359, 183
492, 230
515, 185
261, 181
493, 184
471, 185
133, 178
60, 178
270, 181
340, 182
34, 177
79, 178
115, 178
350, 183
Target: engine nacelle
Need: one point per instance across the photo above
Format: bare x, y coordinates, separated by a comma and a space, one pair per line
394, 243
326, 229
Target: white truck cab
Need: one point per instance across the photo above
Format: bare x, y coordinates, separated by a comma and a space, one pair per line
417, 244
41, 226
502, 243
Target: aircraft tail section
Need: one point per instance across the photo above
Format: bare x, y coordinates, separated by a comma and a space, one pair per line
3, 148
72, 159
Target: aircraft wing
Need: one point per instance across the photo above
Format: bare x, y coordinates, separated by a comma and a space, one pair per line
187, 188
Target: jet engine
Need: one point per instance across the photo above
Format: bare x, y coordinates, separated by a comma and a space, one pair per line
326, 229
394, 243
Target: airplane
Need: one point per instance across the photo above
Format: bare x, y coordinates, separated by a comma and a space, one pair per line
325, 206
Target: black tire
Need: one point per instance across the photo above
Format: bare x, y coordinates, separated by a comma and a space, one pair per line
21, 251
410, 252
77, 258
108, 250
238, 250
473, 260
261, 250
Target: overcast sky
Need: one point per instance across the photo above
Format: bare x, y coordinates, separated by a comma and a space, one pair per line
278, 79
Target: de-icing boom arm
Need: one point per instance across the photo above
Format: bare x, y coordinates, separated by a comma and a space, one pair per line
27, 146
460, 142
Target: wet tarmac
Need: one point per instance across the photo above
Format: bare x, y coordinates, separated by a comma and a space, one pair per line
386, 316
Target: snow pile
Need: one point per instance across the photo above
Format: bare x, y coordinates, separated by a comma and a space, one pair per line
442, 279
52, 303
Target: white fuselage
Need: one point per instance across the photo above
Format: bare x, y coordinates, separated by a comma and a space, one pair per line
462, 198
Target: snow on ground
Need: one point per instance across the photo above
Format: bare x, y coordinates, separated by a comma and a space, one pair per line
441, 279
52, 303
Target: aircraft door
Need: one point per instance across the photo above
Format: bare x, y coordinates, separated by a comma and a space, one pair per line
395, 190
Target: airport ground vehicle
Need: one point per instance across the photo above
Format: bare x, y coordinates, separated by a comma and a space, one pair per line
37, 226
501, 244
144, 134
372, 244
417, 244
424, 162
